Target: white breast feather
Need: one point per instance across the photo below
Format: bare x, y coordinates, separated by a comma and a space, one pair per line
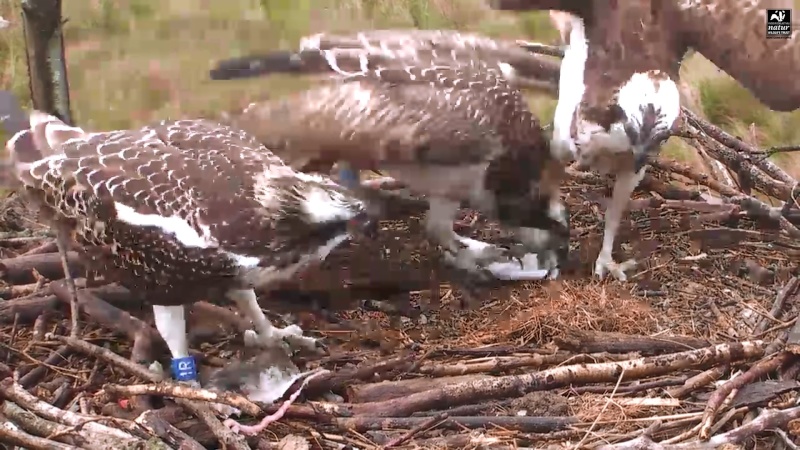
570, 91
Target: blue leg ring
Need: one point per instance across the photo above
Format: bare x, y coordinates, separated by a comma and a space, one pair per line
184, 369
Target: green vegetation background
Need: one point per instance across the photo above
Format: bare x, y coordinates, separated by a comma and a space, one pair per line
135, 61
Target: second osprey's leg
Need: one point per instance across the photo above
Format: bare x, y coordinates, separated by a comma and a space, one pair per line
462, 252
62, 242
171, 324
624, 185
268, 334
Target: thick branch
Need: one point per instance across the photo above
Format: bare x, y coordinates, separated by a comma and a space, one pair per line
11, 434
110, 436
759, 370
222, 433
506, 386
527, 424
598, 341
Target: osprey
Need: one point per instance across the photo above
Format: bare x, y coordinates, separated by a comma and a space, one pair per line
454, 132
618, 94
445, 47
182, 211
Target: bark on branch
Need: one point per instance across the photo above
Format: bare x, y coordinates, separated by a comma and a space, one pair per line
506, 386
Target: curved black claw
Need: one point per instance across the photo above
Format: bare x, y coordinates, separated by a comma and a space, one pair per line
321, 347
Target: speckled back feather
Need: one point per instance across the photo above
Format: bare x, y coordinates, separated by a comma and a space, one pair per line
222, 193
397, 47
410, 114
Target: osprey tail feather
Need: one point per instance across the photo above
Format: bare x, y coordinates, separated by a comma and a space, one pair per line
305, 62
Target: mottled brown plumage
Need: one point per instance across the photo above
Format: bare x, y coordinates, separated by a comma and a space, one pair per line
182, 211
403, 46
618, 96
457, 132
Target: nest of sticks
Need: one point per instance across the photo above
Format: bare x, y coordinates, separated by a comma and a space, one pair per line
698, 350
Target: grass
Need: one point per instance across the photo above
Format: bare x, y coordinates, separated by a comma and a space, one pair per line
135, 61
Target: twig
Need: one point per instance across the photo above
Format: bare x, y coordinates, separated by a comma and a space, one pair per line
424, 426
528, 424
602, 411
11, 434
785, 293
155, 425
187, 392
31, 423
16, 393
222, 433
716, 400
702, 379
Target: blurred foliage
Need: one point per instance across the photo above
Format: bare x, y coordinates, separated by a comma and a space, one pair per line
135, 61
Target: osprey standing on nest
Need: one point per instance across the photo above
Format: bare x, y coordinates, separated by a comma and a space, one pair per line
419, 47
182, 211
618, 97
454, 132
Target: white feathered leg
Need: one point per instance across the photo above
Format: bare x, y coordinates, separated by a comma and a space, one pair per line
624, 185
171, 324
268, 334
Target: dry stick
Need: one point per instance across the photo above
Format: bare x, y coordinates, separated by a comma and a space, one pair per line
631, 388
101, 433
11, 434
529, 424
716, 400
187, 392
26, 309
47, 247
702, 379
769, 419
500, 364
731, 141
222, 433
424, 426
37, 373
515, 385
155, 425
785, 293
385, 390
598, 341
31, 423
19, 270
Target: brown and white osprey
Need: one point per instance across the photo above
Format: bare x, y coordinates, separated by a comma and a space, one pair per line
456, 132
182, 211
618, 95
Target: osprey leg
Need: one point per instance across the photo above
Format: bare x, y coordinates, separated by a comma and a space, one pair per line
171, 324
624, 185
268, 334
62, 243
348, 177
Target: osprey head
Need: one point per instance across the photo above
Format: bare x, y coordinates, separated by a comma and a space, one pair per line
323, 202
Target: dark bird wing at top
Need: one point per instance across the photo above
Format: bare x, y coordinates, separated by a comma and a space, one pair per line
406, 47
182, 211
